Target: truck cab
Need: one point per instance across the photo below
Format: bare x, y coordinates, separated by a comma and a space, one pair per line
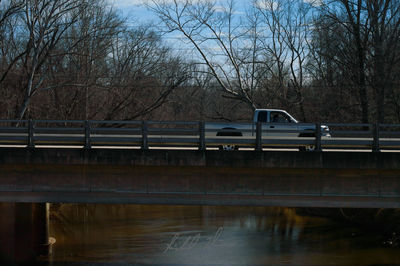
277, 122
273, 116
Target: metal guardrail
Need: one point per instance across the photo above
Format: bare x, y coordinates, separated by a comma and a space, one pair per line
150, 134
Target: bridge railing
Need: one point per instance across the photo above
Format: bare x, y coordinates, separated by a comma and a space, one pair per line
363, 136
197, 135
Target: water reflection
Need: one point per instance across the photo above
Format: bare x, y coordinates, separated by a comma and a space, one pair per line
201, 235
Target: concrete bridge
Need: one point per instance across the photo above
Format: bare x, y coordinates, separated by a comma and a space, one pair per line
256, 178
29, 178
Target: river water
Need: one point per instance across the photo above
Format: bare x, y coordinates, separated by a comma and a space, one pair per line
96, 234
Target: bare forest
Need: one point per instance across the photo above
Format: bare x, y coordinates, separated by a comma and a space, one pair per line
323, 60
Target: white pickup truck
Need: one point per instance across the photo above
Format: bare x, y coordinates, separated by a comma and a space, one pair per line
275, 123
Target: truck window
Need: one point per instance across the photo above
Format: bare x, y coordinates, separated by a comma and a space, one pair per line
278, 117
262, 116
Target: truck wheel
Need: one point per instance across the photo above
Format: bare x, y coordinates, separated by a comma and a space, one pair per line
309, 134
307, 148
228, 147
229, 132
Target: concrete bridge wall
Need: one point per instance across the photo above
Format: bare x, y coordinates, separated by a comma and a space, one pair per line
294, 179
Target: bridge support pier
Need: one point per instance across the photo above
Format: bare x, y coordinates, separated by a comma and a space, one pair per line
23, 232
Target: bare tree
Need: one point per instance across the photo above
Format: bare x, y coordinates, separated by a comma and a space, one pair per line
9, 8
384, 51
368, 48
350, 15
45, 23
217, 36
332, 82
79, 67
79, 59
284, 43
8, 12
143, 73
272, 55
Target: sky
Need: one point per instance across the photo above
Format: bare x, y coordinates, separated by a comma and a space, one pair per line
135, 11
138, 15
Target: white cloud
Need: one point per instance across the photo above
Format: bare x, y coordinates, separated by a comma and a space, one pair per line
275, 4
314, 2
267, 5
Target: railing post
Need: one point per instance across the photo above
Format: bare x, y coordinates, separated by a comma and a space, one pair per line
375, 132
318, 137
202, 136
88, 144
145, 144
259, 136
31, 131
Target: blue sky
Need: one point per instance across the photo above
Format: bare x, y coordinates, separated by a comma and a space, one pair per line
136, 12
138, 15
133, 10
